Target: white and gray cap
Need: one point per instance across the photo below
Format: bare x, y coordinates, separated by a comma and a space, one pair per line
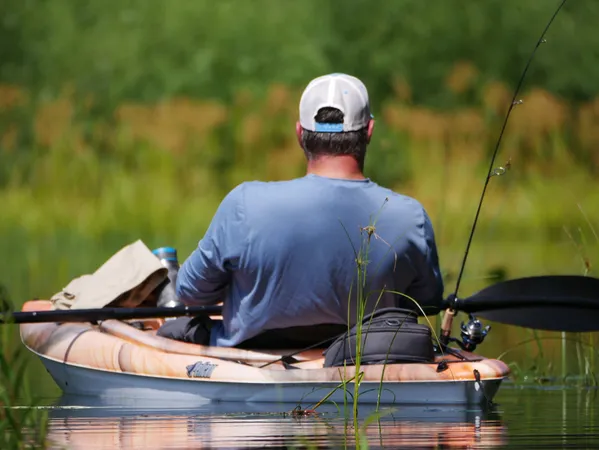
336, 90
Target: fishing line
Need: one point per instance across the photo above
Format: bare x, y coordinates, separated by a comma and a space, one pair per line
501, 170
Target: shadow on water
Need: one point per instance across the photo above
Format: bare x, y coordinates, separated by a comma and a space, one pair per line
79, 422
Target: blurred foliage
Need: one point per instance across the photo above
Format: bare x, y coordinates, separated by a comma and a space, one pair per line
160, 170
151, 49
131, 119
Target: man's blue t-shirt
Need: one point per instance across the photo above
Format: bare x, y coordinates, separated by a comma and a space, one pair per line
283, 254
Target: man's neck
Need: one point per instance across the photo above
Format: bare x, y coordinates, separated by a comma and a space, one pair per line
343, 167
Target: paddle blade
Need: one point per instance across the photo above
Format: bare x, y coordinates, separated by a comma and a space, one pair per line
555, 303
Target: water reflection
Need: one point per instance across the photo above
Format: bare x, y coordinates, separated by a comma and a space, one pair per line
85, 423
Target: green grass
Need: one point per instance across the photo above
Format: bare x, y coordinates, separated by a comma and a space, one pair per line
20, 427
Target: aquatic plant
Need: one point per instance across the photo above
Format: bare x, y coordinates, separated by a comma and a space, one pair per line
361, 256
20, 427
541, 366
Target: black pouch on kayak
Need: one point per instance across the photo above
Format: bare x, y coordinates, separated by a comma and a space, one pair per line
389, 335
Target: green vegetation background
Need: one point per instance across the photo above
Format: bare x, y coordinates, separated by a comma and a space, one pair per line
131, 119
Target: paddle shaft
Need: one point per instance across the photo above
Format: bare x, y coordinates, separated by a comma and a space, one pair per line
93, 315
473, 304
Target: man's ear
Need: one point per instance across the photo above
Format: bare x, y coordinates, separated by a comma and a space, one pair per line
370, 129
298, 133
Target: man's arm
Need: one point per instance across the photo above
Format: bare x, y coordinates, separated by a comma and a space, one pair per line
427, 288
204, 277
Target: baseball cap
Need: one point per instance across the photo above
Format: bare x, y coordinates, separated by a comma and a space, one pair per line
337, 90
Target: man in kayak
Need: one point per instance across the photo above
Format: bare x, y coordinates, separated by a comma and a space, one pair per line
281, 256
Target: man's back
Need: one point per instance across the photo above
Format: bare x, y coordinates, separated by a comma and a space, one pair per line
283, 254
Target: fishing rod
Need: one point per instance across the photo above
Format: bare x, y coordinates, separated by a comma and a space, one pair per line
474, 326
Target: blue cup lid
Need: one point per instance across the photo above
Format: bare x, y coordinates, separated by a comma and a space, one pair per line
168, 253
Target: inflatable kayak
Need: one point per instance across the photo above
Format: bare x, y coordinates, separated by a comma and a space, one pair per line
120, 360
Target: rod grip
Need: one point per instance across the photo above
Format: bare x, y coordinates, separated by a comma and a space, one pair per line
446, 325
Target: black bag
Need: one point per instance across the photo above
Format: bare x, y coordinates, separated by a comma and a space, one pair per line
389, 335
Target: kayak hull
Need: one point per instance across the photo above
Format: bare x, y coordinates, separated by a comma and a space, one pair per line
117, 360
78, 380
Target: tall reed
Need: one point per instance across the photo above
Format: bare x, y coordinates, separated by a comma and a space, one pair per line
21, 426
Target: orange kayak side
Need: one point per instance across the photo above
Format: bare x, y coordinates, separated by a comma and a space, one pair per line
118, 347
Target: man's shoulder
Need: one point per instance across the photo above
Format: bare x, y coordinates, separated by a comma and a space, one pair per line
257, 186
249, 194
395, 199
254, 185
269, 184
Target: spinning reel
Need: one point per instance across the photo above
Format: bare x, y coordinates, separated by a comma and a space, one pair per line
473, 334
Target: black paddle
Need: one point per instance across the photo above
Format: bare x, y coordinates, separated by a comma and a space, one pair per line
553, 302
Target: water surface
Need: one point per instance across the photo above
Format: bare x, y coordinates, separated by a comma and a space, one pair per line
522, 418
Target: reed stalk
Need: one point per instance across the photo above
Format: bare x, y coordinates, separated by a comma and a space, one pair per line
541, 370
20, 427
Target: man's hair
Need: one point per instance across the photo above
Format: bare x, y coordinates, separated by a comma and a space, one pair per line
351, 143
